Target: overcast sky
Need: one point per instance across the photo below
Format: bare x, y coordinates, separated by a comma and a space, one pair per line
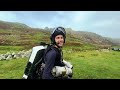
105, 23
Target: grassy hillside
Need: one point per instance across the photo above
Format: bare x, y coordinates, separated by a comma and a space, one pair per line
18, 34
22, 37
11, 25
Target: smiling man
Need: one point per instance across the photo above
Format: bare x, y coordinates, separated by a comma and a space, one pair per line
54, 55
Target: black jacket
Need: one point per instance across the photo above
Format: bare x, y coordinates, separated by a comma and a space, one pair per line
52, 58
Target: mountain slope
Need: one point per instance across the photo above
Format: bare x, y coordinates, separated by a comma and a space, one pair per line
11, 25
21, 34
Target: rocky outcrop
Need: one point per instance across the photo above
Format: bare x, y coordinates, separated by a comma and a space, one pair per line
13, 55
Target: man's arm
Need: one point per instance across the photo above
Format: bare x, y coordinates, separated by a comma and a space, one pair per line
49, 64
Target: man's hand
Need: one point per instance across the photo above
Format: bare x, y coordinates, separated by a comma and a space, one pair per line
68, 64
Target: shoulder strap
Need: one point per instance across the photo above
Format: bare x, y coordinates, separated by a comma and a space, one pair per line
49, 47
45, 52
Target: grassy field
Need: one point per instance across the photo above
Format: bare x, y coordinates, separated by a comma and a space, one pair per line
12, 69
5, 49
92, 64
95, 65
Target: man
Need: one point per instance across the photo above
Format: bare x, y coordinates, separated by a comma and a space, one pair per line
54, 55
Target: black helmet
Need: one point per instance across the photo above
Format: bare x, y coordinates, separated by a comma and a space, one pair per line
57, 31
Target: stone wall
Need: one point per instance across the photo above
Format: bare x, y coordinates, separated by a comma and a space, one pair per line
13, 55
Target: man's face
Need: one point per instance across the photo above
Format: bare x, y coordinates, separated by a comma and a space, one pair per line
59, 40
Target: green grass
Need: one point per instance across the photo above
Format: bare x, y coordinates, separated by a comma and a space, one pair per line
5, 49
12, 69
86, 64
95, 65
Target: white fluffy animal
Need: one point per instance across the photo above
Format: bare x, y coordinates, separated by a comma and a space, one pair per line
63, 71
